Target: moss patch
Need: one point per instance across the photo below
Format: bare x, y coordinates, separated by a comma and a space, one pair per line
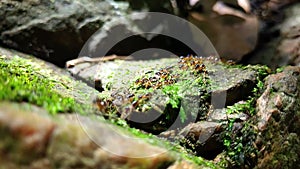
23, 81
241, 150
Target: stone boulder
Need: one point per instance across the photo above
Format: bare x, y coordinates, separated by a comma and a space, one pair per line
61, 80
203, 137
278, 121
56, 31
62, 142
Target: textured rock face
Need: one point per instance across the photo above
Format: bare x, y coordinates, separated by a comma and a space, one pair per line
64, 144
278, 121
22, 134
228, 85
54, 30
57, 30
205, 138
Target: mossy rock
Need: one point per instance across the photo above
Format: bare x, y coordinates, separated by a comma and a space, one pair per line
278, 121
34, 81
39, 98
196, 95
184, 93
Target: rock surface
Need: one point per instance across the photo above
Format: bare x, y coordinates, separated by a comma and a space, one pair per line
184, 165
57, 30
154, 6
280, 45
22, 134
226, 88
229, 24
70, 140
201, 134
63, 82
62, 143
205, 138
278, 121
54, 30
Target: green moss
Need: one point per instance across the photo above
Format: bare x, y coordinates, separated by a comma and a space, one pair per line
23, 81
172, 92
280, 69
247, 107
240, 149
189, 85
262, 69
262, 72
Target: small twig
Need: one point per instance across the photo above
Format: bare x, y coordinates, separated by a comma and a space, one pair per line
85, 59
